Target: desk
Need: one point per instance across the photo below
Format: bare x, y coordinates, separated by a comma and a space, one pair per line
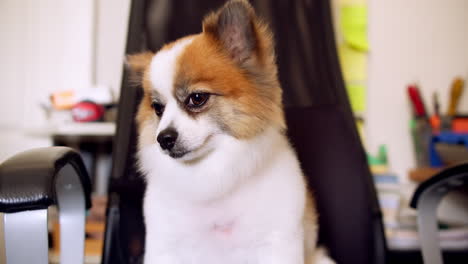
93, 140
71, 129
422, 174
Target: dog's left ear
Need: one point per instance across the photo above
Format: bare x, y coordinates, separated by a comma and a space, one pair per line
236, 27
138, 63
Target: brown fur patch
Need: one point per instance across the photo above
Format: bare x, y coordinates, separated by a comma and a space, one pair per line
139, 66
310, 225
170, 45
247, 94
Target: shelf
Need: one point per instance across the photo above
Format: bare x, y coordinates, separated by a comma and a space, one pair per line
77, 129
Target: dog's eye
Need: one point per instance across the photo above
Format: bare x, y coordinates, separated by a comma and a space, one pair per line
197, 99
158, 108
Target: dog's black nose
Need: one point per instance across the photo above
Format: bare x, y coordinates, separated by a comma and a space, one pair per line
167, 138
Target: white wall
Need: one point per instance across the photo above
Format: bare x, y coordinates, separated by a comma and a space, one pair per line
45, 45
423, 41
111, 26
51, 45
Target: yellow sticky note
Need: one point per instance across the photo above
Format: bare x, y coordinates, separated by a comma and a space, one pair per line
353, 64
357, 96
354, 25
345, 2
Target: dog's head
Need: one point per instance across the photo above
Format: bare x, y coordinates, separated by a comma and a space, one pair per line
221, 82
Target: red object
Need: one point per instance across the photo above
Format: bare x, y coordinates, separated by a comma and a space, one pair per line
87, 112
435, 123
417, 101
460, 125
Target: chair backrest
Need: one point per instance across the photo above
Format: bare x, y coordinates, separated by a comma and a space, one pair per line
321, 126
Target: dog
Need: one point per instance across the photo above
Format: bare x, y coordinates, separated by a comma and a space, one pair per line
224, 184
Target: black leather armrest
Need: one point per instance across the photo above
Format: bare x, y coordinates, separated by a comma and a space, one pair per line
442, 183
27, 180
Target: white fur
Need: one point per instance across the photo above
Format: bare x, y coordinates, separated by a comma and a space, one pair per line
253, 188
254, 185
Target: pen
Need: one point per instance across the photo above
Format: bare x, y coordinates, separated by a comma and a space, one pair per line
435, 98
435, 118
455, 94
417, 101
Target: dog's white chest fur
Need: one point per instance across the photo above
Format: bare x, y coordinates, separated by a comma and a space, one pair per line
243, 203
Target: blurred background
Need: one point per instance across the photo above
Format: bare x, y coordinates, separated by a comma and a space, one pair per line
404, 65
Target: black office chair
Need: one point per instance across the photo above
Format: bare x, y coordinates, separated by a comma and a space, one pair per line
321, 128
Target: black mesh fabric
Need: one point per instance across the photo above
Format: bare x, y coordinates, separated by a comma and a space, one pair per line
321, 126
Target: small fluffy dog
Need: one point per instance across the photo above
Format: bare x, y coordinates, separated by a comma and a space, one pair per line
224, 185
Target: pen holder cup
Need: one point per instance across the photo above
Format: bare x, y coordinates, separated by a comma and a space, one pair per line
421, 133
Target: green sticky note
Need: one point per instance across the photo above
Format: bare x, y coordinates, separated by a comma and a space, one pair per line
354, 25
357, 96
353, 63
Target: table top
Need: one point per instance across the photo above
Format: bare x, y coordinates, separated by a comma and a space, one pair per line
76, 129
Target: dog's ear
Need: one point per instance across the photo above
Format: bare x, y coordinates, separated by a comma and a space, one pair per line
138, 63
234, 26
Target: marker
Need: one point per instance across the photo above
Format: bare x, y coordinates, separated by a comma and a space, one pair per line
417, 101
